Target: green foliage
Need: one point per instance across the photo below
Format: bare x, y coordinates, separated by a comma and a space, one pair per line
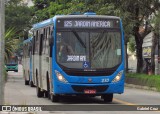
18, 18
132, 12
156, 22
11, 43
17, 15
61, 7
149, 80
131, 44
57, 7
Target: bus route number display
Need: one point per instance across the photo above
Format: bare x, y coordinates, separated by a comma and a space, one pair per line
87, 23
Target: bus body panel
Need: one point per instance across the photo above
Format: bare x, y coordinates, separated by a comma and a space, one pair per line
42, 60
27, 59
27, 68
66, 88
36, 69
47, 66
60, 88
45, 70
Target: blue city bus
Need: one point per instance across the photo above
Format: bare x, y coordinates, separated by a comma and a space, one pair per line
12, 63
27, 61
78, 55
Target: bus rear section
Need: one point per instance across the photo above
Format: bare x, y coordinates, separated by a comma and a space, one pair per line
12, 64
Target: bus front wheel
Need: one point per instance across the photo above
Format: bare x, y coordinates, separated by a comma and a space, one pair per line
107, 97
54, 98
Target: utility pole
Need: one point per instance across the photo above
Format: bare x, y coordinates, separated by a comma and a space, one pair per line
2, 51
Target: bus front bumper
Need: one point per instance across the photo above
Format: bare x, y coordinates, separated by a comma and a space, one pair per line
69, 88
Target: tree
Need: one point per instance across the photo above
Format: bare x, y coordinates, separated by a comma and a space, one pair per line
11, 43
102, 7
138, 13
134, 19
155, 43
40, 10
17, 15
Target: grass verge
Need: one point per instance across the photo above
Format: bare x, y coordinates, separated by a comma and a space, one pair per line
146, 80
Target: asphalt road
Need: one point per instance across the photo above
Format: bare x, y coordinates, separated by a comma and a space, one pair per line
16, 93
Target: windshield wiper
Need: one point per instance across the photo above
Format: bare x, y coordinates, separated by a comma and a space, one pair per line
79, 39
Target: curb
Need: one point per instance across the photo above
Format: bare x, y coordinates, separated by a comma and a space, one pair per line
140, 87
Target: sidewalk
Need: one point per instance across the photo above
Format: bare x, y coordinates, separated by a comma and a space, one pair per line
13, 95
10, 91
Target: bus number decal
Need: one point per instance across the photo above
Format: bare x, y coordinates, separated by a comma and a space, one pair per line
104, 80
67, 23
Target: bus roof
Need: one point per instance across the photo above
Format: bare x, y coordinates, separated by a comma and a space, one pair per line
51, 20
43, 23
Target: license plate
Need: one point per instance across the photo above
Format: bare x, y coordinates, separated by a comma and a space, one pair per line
90, 91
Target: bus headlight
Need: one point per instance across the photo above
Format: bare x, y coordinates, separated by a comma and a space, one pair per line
60, 77
118, 77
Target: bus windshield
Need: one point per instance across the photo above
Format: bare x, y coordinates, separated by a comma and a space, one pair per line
12, 60
90, 49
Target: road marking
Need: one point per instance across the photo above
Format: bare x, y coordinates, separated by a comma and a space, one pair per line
123, 102
128, 103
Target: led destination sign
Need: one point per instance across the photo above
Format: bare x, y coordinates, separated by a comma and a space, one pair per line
78, 24
87, 23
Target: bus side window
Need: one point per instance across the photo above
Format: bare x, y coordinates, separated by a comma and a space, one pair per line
47, 41
44, 39
51, 41
41, 42
33, 45
36, 42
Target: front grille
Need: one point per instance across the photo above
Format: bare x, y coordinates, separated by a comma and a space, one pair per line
82, 88
88, 73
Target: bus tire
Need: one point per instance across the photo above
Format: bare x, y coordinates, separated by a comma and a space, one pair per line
54, 98
107, 97
38, 90
31, 84
26, 82
48, 88
46, 94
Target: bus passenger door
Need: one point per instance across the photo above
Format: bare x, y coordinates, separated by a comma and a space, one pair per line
45, 57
